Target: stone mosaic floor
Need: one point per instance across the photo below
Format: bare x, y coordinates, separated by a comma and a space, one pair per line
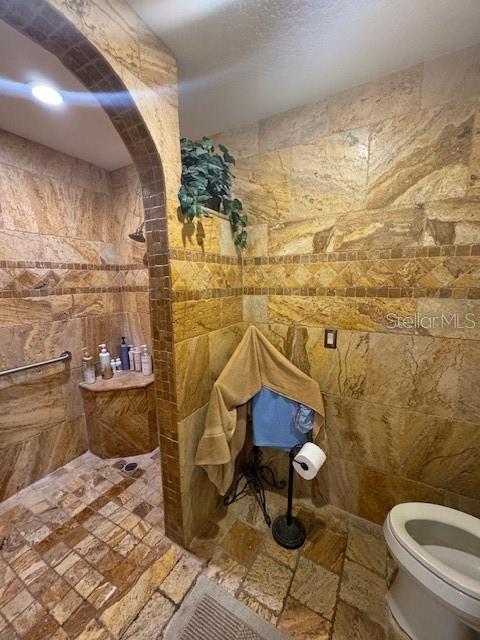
83, 555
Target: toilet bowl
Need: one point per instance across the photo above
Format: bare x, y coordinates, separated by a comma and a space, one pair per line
435, 593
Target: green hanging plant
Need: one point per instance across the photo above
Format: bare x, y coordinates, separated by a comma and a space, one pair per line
206, 182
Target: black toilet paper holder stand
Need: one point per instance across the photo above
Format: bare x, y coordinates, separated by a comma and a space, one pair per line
288, 531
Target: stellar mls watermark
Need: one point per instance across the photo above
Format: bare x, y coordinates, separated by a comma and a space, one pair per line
457, 321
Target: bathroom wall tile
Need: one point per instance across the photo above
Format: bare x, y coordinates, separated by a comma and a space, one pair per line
241, 142
16, 243
30, 156
330, 176
192, 365
199, 496
392, 95
382, 229
348, 438
196, 317
427, 449
454, 221
364, 314
474, 181
119, 423
255, 308
468, 402
157, 64
342, 481
417, 372
420, 157
462, 503
342, 370
308, 235
49, 449
262, 182
231, 310
21, 419
221, 345
451, 78
98, 21
440, 453
257, 240
379, 492
302, 125
277, 334
449, 318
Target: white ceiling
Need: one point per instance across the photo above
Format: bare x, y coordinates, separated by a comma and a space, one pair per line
79, 128
239, 61
242, 60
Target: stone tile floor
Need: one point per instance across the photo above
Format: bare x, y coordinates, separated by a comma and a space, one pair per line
83, 555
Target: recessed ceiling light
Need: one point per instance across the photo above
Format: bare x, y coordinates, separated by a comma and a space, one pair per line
47, 95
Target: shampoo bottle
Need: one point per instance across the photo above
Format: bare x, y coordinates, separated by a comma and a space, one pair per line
131, 361
105, 365
124, 354
137, 359
118, 365
88, 367
146, 361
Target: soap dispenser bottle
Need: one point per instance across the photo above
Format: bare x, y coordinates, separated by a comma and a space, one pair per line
88, 367
124, 354
105, 365
146, 361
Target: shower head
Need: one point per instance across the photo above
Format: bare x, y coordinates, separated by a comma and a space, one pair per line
137, 235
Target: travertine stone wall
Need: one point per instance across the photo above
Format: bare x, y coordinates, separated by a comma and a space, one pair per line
207, 290
363, 205
69, 277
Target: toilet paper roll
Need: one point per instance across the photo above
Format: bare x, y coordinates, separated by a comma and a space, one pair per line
308, 460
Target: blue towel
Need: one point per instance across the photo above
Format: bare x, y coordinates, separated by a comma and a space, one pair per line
279, 422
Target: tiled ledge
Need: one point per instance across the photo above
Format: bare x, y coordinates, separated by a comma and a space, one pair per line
120, 381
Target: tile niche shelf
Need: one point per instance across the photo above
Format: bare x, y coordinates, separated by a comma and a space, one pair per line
216, 214
120, 415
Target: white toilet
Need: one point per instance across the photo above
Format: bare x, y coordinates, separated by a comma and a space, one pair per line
435, 594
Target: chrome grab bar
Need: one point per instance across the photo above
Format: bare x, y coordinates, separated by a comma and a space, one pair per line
65, 356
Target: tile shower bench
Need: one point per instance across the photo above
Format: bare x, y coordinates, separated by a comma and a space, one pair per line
120, 415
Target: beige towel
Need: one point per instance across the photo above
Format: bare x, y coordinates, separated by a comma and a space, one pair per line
254, 364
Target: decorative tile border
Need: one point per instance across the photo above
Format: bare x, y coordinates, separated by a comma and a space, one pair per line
199, 256
71, 266
371, 254
366, 292
41, 293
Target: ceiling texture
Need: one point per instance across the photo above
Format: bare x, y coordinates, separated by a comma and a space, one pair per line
79, 128
243, 60
239, 61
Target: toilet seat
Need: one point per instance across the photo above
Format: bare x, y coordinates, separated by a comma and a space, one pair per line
403, 514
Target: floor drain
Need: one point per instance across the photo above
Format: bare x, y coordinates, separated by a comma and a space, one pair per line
130, 467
